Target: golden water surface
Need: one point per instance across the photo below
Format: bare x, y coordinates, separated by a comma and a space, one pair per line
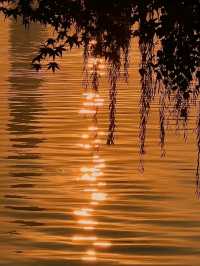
69, 199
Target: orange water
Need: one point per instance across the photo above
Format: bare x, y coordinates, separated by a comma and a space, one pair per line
69, 199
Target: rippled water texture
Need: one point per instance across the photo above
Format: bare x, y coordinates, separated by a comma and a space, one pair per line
69, 199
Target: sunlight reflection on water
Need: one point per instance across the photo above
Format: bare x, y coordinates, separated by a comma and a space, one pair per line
67, 197
92, 101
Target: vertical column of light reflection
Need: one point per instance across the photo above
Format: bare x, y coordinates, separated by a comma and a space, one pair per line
91, 175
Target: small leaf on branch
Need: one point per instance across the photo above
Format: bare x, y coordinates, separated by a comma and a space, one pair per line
53, 66
37, 66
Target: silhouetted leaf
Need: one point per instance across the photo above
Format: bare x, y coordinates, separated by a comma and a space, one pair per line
37, 66
53, 66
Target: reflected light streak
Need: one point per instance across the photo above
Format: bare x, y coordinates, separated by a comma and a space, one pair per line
88, 228
98, 196
87, 112
83, 212
98, 99
85, 136
97, 159
90, 174
101, 165
90, 255
85, 169
102, 244
97, 141
96, 146
89, 95
91, 140
94, 203
92, 128
88, 222
89, 104
85, 146
90, 189
101, 184
88, 177
84, 238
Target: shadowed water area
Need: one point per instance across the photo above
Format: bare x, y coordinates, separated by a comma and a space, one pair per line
67, 198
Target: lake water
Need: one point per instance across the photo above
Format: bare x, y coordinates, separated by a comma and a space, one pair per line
67, 198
